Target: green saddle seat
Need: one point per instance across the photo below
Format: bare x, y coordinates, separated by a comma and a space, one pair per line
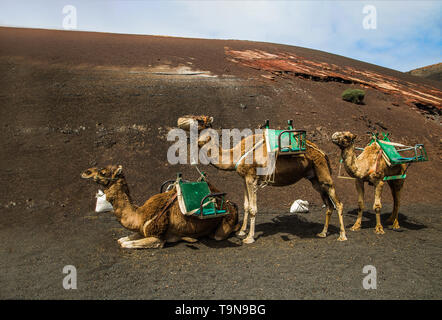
395, 157
193, 195
291, 142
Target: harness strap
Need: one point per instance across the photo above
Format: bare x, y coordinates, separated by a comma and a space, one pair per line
165, 208
380, 154
392, 143
246, 153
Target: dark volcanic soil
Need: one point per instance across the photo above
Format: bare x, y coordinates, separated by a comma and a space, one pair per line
286, 262
71, 100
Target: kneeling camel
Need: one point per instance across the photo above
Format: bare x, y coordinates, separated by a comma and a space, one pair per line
159, 219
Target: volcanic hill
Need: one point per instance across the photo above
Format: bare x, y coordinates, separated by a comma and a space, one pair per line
432, 72
71, 100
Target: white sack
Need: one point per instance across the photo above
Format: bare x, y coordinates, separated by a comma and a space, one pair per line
102, 204
299, 206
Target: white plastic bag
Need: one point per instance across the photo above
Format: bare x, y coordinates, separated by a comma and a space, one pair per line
102, 204
299, 206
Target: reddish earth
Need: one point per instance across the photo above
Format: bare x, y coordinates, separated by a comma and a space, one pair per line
281, 64
71, 100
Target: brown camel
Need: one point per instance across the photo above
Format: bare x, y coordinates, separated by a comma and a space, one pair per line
158, 220
370, 167
313, 165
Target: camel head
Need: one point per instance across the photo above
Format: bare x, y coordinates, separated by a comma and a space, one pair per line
104, 176
343, 139
202, 121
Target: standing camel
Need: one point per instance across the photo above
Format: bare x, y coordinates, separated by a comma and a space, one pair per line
370, 167
313, 165
159, 219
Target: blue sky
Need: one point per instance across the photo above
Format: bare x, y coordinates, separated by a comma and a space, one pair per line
407, 34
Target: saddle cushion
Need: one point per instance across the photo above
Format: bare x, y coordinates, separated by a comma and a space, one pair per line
190, 195
290, 142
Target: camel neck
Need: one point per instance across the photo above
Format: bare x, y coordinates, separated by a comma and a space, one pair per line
349, 158
221, 159
224, 159
118, 195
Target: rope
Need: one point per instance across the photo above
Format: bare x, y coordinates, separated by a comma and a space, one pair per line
167, 206
339, 173
246, 153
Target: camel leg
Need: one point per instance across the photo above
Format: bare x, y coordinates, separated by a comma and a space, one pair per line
242, 231
252, 188
328, 194
378, 206
189, 239
223, 231
327, 202
226, 227
331, 192
396, 188
134, 236
360, 189
145, 243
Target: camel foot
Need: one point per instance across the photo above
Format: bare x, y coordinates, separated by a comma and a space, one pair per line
188, 239
121, 240
394, 226
248, 240
356, 227
322, 234
133, 236
379, 230
146, 243
342, 237
241, 233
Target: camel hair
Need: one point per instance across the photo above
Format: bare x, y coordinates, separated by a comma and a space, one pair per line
313, 165
152, 225
370, 167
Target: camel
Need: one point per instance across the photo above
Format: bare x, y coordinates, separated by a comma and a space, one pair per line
313, 165
159, 219
370, 167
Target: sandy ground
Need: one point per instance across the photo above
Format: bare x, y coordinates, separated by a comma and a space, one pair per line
286, 262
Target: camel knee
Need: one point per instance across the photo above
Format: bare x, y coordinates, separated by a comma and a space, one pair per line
377, 206
339, 206
253, 212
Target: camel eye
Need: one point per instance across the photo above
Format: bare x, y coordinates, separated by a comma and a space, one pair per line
88, 172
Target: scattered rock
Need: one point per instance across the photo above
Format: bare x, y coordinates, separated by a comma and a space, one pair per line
11, 204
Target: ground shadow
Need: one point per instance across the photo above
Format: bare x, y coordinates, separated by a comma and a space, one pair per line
294, 225
230, 242
370, 220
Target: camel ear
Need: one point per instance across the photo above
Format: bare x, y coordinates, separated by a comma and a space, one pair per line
353, 137
118, 171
